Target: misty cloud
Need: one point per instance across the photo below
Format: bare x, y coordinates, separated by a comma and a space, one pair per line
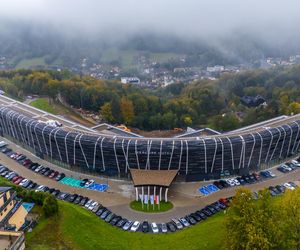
189, 18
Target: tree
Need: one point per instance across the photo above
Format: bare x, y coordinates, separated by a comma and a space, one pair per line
127, 110
251, 224
290, 219
106, 111
50, 206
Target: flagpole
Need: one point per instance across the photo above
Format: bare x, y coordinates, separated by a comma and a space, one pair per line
143, 197
148, 198
154, 198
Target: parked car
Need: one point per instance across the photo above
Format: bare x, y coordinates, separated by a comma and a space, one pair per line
63, 196
154, 227
60, 176
53, 174
121, 223
218, 184
195, 216
184, 222
17, 182
6, 150
89, 202
145, 227
72, 197
177, 224
115, 220
171, 227
95, 209
288, 186
164, 228
38, 169
109, 217
282, 169
83, 201
89, 183
105, 214
100, 211
83, 182
127, 225
27, 163
190, 220
93, 205
296, 163
78, 199
135, 226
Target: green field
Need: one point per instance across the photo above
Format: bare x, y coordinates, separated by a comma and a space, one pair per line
44, 104
163, 207
31, 63
126, 57
77, 228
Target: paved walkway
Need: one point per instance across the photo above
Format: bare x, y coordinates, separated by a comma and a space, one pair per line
184, 196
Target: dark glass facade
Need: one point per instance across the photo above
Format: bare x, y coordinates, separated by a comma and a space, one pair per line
195, 158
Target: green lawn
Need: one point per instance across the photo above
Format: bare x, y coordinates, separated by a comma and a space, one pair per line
163, 207
77, 228
31, 63
44, 104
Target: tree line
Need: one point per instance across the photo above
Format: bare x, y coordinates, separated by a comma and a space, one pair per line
266, 223
203, 103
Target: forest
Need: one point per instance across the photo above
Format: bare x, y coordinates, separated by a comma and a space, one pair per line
203, 103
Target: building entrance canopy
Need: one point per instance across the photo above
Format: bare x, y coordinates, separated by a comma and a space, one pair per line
147, 181
162, 178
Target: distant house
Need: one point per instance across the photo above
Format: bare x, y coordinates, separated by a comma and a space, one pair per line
215, 69
12, 212
132, 80
251, 101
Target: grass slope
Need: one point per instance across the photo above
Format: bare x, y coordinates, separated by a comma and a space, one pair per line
77, 228
44, 104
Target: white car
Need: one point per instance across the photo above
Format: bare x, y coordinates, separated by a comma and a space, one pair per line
296, 163
89, 183
177, 223
236, 182
287, 167
288, 186
23, 182
154, 227
40, 188
164, 228
38, 168
231, 182
9, 174
93, 205
270, 173
88, 203
135, 226
184, 222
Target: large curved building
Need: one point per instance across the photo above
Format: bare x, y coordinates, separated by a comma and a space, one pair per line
196, 158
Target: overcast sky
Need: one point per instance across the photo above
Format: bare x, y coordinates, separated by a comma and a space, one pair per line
188, 18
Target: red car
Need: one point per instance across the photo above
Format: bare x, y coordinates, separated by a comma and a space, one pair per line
27, 162
15, 178
224, 201
53, 174
17, 182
